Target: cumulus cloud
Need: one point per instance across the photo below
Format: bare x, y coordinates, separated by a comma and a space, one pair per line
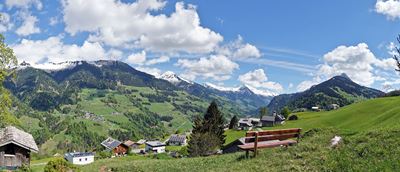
390, 8
134, 25
24, 4
28, 26
216, 67
137, 58
161, 59
152, 71
238, 49
5, 23
358, 62
258, 79
54, 50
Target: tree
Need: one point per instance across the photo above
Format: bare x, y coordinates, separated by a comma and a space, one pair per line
208, 132
214, 122
396, 56
59, 165
285, 112
263, 111
234, 122
7, 62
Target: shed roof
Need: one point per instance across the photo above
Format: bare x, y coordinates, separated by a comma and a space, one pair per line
129, 143
155, 143
110, 143
79, 154
177, 138
268, 118
16, 136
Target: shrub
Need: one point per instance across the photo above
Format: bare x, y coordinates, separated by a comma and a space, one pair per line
293, 117
59, 165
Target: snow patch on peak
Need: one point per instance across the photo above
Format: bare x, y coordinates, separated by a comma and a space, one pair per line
265, 93
221, 88
173, 78
50, 67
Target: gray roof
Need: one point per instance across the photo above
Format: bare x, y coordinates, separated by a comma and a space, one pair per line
16, 136
246, 121
268, 118
110, 143
177, 138
155, 143
79, 154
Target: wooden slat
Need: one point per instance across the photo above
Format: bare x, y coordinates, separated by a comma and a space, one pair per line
250, 146
272, 137
273, 132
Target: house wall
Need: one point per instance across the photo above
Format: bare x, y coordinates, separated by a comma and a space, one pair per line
81, 160
160, 149
120, 150
12, 155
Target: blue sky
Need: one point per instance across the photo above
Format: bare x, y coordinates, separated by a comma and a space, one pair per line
271, 46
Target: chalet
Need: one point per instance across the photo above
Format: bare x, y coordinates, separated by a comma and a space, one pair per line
332, 107
271, 120
141, 141
131, 144
315, 108
15, 148
246, 123
155, 147
177, 140
80, 158
117, 147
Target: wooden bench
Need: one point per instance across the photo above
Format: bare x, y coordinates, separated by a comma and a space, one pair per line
269, 138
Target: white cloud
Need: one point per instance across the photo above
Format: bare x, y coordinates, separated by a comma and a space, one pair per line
216, 67
390, 8
258, 79
24, 4
5, 23
152, 71
161, 59
54, 50
133, 25
137, 58
358, 62
53, 21
238, 49
28, 26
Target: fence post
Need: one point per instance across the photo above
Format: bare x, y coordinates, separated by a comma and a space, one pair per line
255, 144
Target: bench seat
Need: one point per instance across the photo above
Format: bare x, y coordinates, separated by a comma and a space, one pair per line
268, 144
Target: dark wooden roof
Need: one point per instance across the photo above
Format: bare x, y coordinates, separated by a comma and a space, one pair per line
12, 135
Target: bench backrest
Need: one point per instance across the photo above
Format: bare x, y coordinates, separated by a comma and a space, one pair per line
268, 135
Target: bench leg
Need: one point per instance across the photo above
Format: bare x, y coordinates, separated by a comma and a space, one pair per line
247, 154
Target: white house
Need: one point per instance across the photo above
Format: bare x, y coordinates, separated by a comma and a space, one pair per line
155, 147
80, 158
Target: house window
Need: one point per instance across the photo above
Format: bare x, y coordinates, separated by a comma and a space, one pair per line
85, 159
80, 159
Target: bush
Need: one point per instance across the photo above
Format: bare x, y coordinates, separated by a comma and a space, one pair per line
293, 117
59, 165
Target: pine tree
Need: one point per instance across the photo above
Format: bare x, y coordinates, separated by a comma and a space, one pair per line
214, 122
263, 111
233, 123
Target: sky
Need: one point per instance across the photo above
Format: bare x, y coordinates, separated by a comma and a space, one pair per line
275, 46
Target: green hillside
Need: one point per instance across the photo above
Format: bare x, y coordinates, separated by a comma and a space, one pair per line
370, 132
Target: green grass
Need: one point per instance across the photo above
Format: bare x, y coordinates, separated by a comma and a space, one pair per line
364, 151
361, 116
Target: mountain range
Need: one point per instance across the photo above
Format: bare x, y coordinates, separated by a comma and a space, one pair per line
340, 90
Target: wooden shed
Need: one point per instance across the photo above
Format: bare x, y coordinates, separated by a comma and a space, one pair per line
15, 148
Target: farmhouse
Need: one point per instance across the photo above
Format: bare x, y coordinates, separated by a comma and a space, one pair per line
315, 108
15, 148
80, 158
332, 107
117, 147
246, 123
271, 120
131, 144
178, 140
155, 147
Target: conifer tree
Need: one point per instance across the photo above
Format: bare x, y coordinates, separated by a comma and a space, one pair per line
233, 123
